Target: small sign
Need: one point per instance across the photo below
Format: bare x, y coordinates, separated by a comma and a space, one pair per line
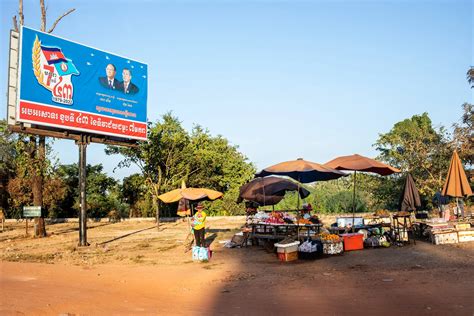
31, 211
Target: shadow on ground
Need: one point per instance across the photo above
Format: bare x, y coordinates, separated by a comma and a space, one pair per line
392, 281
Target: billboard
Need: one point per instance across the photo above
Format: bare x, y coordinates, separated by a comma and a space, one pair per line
70, 86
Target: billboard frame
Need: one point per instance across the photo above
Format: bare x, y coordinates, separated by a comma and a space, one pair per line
81, 138
43, 129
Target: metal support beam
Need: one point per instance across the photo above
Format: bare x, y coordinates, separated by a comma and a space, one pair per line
82, 190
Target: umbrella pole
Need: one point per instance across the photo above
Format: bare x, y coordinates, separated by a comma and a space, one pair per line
457, 207
298, 194
353, 200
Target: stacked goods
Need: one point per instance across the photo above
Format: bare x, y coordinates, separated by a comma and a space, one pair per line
353, 241
279, 218
332, 244
466, 235
326, 237
310, 250
376, 241
287, 251
259, 217
444, 237
462, 226
304, 221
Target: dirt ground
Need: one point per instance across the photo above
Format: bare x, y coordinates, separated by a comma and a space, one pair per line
133, 268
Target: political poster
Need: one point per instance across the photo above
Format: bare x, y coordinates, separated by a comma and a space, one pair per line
71, 86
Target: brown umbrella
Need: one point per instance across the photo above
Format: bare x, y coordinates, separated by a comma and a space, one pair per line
362, 164
456, 184
303, 171
410, 198
269, 190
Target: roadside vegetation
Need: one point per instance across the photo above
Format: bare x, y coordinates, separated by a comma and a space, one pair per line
172, 155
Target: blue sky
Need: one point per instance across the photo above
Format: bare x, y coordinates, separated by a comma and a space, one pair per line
280, 79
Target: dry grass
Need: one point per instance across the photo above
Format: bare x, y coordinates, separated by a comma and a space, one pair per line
135, 243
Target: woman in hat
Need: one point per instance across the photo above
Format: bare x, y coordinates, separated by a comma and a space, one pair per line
199, 225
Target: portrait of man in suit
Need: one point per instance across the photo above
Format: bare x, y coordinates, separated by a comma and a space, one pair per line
109, 81
127, 86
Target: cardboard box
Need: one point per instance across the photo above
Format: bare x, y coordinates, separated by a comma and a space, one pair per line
287, 248
463, 226
466, 235
288, 256
347, 221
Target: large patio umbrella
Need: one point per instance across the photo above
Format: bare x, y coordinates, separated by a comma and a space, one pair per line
303, 171
410, 198
269, 190
192, 194
456, 184
362, 164
184, 195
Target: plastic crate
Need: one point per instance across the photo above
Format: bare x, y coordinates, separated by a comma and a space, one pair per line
353, 241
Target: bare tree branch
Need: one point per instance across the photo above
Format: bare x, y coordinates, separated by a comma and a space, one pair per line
15, 23
43, 16
20, 12
59, 19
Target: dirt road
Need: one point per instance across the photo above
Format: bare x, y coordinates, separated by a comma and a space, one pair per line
148, 273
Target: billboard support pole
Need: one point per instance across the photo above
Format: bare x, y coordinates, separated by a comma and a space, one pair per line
82, 143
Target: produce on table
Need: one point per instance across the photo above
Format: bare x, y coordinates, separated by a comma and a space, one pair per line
304, 221
329, 237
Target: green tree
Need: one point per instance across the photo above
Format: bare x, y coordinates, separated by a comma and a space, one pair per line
7, 159
100, 192
171, 155
415, 146
463, 135
134, 193
20, 171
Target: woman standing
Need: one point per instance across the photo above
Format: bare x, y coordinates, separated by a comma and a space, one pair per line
199, 225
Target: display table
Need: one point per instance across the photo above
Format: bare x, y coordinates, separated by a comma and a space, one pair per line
276, 232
